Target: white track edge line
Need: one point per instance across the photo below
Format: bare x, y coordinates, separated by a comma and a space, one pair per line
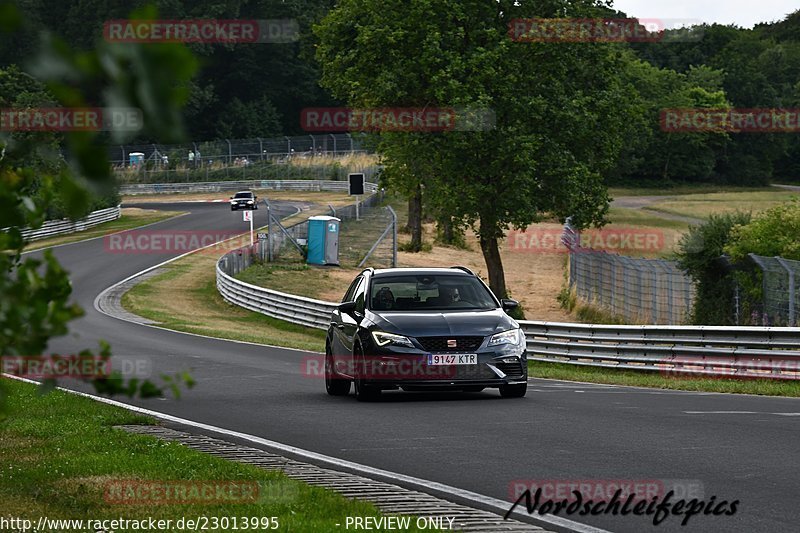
487, 501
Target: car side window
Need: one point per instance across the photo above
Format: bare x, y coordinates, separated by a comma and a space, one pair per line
360, 292
348, 296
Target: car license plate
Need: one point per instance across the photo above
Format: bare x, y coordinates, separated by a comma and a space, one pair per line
441, 359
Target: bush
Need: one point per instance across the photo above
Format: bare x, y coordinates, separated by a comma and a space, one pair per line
701, 256
775, 232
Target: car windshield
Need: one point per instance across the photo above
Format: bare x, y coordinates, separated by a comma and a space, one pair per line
244, 195
413, 292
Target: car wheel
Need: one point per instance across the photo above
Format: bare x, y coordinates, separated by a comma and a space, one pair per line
333, 385
364, 392
513, 391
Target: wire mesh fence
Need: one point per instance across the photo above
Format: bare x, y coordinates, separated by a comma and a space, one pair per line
319, 168
780, 294
366, 238
641, 291
227, 151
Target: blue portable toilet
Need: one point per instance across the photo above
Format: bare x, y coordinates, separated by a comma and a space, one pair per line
136, 159
323, 240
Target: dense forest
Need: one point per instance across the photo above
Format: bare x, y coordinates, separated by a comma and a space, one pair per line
259, 90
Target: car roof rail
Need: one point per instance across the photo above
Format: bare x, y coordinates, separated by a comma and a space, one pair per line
465, 269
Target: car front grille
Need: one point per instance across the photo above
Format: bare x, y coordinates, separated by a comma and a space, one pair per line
512, 370
440, 344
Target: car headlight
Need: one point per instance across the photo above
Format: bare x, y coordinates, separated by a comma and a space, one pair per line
382, 339
249, 201
511, 336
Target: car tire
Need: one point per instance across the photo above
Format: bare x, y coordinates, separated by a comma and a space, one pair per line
333, 385
364, 393
513, 391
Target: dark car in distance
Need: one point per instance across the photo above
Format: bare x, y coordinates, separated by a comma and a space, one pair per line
423, 329
244, 200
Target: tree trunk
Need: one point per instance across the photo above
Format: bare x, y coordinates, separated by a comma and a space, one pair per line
494, 264
446, 229
415, 219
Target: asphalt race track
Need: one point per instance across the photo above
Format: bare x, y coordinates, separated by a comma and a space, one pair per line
742, 448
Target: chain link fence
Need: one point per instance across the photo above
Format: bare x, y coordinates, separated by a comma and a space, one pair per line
316, 157
227, 151
641, 291
367, 236
780, 294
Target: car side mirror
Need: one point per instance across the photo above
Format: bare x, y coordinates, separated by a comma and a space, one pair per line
231, 197
509, 304
347, 307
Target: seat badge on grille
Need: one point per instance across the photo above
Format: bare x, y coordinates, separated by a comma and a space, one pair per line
452, 343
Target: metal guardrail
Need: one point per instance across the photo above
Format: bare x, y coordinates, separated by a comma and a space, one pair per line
716, 351
289, 307
217, 186
719, 351
51, 228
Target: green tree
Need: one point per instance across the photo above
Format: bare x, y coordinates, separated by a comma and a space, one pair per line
774, 232
559, 107
652, 153
700, 254
35, 294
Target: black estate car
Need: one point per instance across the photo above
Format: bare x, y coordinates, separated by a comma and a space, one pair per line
244, 200
423, 329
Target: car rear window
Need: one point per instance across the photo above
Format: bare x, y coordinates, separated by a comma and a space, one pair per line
414, 292
243, 195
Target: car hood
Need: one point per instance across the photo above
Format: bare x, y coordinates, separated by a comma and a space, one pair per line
438, 323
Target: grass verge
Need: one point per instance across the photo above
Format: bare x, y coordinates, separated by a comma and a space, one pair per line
131, 218
655, 380
703, 205
678, 189
60, 453
184, 297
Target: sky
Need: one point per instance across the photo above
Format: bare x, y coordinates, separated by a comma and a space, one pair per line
744, 13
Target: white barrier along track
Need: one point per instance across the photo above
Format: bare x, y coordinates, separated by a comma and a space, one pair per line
51, 228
